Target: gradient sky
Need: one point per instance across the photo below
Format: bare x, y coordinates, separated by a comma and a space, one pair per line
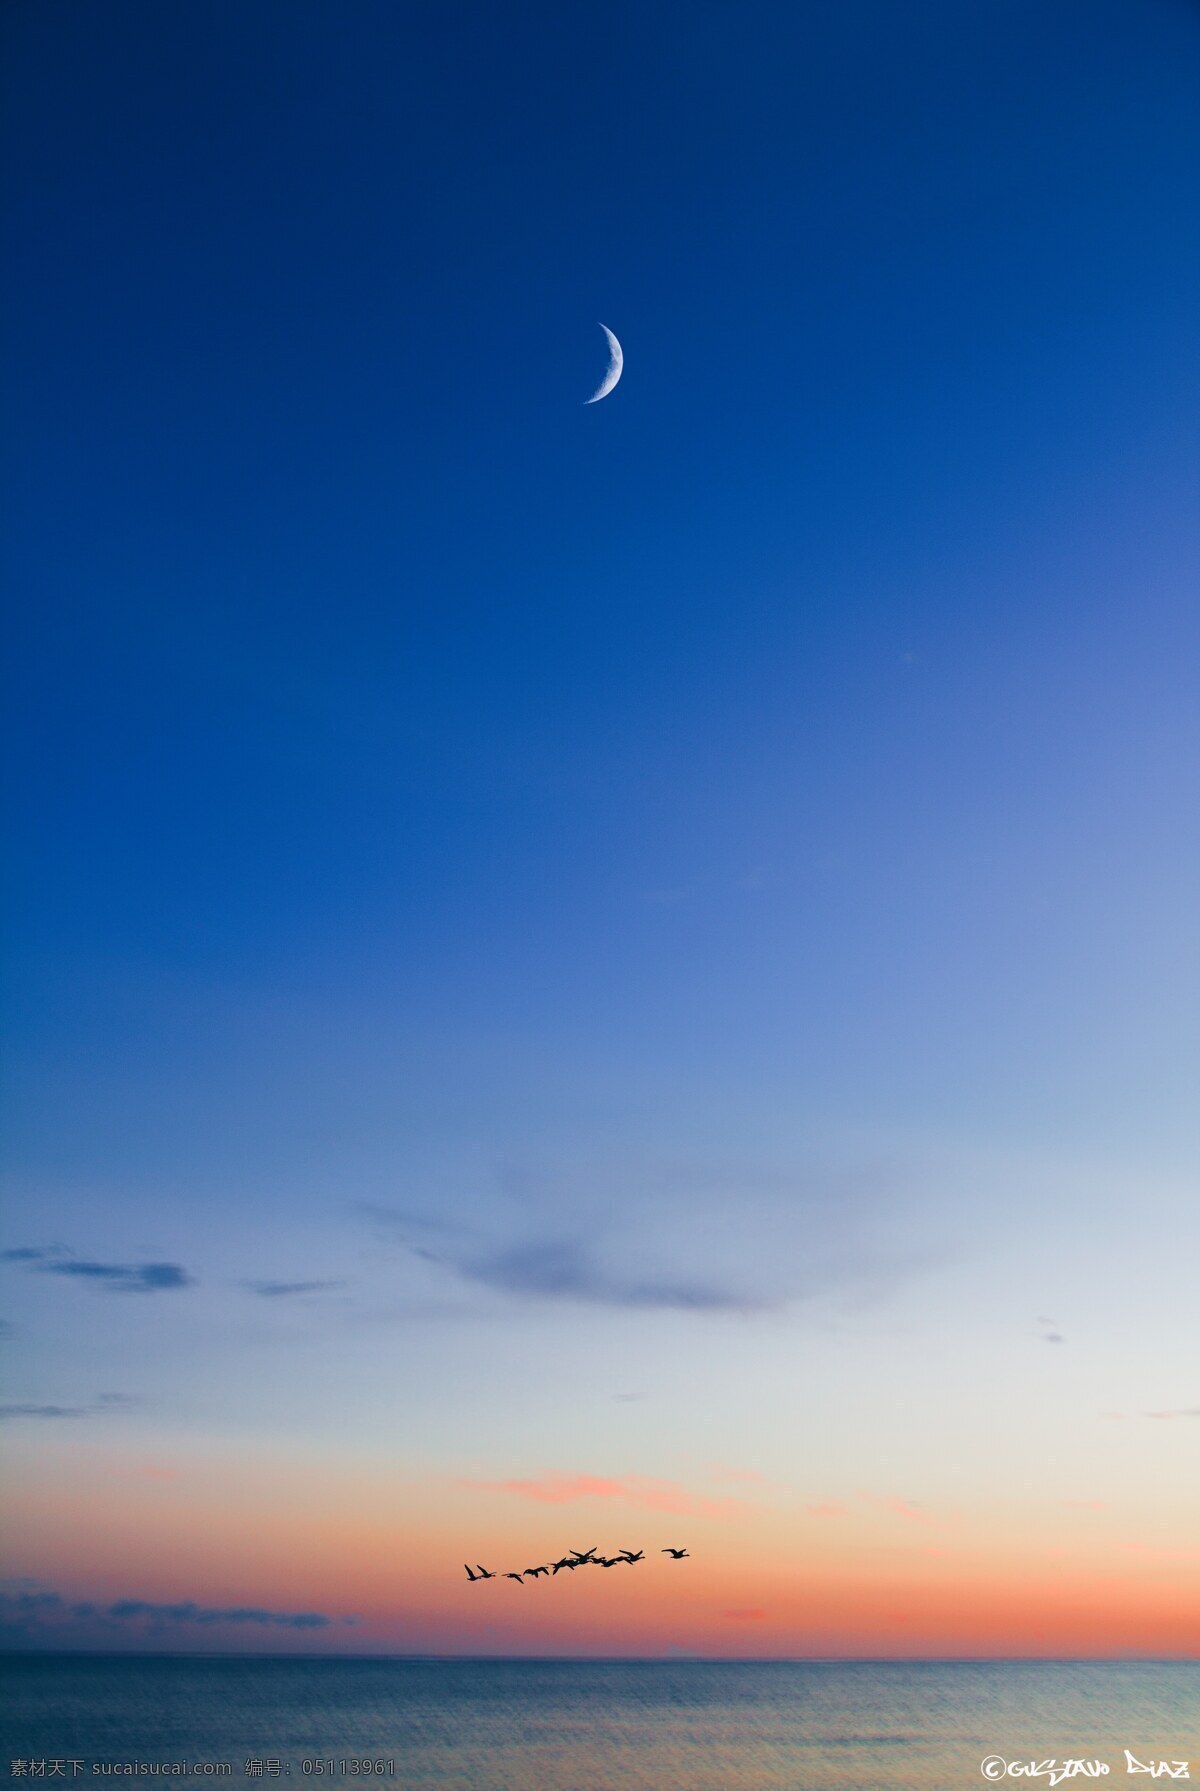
619, 974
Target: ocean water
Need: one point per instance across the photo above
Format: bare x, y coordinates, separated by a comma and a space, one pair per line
519, 1725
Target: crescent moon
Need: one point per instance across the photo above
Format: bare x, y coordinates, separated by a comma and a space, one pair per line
616, 360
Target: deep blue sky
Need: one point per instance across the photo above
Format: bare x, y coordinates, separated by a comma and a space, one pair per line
401, 750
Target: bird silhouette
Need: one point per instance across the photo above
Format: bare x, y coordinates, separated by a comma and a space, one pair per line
580, 1557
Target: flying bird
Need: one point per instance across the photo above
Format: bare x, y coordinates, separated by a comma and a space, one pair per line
472, 1576
532, 1572
565, 1562
483, 1573
678, 1554
513, 1576
627, 1554
584, 1557
616, 361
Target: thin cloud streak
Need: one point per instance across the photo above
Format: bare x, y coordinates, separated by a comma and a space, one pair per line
145, 1277
558, 1269
564, 1270
46, 1411
283, 1290
188, 1612
104, 1402
33, 1609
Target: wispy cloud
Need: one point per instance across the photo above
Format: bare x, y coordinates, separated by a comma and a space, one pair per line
46, 1411
566, 1270
104, 1402
144, 1277
29, 1603
828, 1508
28, 1610
393, 1220
283, 1290
555, 1268
188, 1612
1185, 1411
693, 1238
1153, 1551
638, 1490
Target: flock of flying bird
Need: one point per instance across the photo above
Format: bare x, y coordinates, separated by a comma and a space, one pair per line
578, 1557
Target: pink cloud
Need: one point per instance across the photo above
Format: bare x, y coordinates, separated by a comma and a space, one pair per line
640, 1490
1152, 1552
828, 1508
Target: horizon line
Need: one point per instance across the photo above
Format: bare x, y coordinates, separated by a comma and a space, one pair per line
681, 1659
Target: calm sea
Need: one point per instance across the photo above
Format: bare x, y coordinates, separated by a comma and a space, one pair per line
596, 1726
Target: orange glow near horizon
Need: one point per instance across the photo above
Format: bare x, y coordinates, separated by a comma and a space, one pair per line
779, 1583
